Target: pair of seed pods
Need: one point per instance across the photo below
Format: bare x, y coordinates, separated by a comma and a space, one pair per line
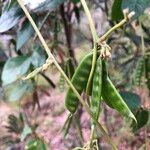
102, 88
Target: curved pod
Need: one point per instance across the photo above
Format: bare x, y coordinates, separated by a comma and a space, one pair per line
79, 80
112, 97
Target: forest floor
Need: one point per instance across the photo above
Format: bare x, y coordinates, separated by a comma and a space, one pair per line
52, 115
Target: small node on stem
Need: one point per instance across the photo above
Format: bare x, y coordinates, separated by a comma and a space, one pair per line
131, 14
49, 62
126, 11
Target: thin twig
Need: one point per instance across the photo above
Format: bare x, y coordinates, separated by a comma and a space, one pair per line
127, 16
95, 37
91, 23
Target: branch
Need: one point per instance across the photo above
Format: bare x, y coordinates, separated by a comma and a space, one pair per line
127, 16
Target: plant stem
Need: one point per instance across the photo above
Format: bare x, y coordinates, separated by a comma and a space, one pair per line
64, 75
106, 35
92, 134
91, 24
95, 37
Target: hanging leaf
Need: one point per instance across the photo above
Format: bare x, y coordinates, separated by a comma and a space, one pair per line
131, 99
10, 17
116, 13
15, 68
15, 91
38, 57
142, 119
49, 5
24, 34
138, 6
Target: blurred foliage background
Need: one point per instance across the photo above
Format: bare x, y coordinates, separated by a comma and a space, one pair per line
32, 111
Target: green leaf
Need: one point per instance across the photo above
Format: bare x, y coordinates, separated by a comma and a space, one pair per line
138, 6
26, 131
116, 13
38, 57
49, 5
24, 34
36, 144
75, 1
142, 119
15, 68
10, 17
131, 99
15, 91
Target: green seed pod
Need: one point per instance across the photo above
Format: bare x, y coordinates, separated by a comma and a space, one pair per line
139, 71
96, 89
112, 97
79, 80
